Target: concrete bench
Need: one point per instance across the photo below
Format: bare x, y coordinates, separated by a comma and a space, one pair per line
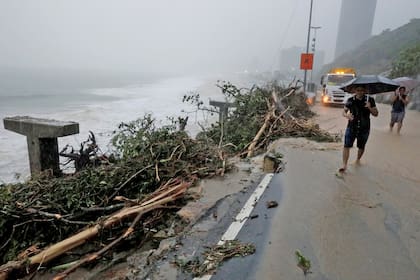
41, 136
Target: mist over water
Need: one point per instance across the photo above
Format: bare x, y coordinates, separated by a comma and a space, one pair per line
100, 110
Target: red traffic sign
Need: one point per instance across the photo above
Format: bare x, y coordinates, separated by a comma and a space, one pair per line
306, 61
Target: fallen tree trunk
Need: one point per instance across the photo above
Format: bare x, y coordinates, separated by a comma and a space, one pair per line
165, 194
96, 255
259, 133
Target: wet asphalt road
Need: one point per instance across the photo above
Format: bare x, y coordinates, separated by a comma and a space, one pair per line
365, 226
256, 231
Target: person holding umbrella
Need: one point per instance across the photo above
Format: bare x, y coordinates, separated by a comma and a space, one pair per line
399, 101
357, 110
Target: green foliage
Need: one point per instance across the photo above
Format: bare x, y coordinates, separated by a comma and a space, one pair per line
194, 99
407, 63
303, 263
246, 119
138, 137
164, 146
248, 115
66, 196
147, 156
243, 122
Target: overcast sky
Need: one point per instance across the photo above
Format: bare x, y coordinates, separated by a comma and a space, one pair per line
171, 35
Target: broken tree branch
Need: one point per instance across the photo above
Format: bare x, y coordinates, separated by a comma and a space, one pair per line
163, 195
259, 133
96, 255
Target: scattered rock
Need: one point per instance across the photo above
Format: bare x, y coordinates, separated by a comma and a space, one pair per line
161, 234
272, 204
195, 192
140, 264
272, 163
164, 246
192, 211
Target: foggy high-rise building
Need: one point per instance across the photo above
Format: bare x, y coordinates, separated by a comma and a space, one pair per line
356, 20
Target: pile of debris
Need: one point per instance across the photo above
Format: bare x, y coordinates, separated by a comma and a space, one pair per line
109, 202
214, 256
154, 168
261, 115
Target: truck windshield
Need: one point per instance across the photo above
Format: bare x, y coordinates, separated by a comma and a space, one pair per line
334, 80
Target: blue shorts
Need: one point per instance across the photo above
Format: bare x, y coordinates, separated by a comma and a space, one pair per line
397, 117
361, 137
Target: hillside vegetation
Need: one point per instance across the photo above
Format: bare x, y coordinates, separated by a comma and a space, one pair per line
381, 52
407, 63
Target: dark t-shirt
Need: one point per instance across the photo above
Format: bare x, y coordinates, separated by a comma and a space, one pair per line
361, 121
398, 106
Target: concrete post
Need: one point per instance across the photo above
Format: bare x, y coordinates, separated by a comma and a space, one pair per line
41, 136
223, 108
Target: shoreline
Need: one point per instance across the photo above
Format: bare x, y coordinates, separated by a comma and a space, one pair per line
102, 117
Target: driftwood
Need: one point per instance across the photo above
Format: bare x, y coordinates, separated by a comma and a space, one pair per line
167, 193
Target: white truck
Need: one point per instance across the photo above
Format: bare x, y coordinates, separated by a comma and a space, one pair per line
331, 82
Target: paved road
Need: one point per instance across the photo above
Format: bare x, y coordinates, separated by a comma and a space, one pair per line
256, 231
363, 226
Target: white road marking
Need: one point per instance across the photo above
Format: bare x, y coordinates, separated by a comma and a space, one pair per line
242, 216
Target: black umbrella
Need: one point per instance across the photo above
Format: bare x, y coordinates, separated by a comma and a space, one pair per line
373, 83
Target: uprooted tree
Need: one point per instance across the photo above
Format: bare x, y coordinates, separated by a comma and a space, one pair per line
86, 156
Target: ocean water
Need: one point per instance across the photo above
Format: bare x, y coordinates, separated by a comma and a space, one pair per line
100, 110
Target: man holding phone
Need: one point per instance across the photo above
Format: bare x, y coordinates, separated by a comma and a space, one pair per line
399, 101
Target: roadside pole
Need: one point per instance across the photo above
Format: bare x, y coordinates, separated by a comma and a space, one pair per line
307, 45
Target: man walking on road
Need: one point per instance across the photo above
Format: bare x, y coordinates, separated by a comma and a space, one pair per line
398, 101
357, 110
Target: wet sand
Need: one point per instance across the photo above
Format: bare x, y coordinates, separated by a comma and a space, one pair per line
365, 225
